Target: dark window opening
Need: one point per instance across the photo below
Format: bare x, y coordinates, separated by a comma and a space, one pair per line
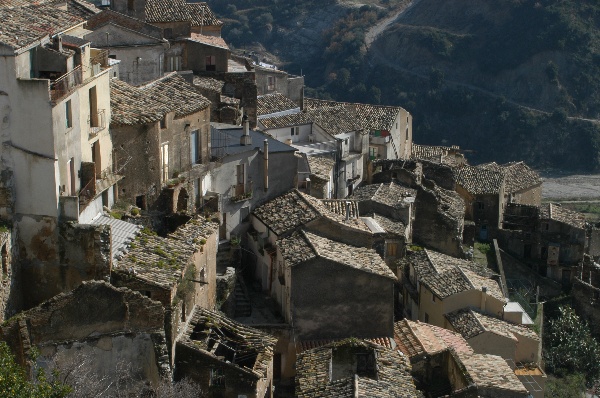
4, 260
69, 114
131, 5
211, 63
140, 202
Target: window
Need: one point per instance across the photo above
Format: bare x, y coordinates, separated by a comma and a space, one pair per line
211, 63
270, 83
68, 114
163, 122
164, 152
426, 318
194, 147
217, 378
392, 249
295, 131
93, 98
168, 33
372, 153
480, 205
172, 63
112, 56
131, 5
433, 297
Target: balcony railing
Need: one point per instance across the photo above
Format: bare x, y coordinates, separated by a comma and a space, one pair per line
65, 84
97, 122
241, 192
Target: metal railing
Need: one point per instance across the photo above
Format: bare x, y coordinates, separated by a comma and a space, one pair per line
65, 84
97, 122
241, 192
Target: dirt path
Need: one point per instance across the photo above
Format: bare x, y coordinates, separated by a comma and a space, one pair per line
382, 25
379, 57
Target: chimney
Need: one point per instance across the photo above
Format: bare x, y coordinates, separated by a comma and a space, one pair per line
58, 43
246, 139
266, 165
483, 297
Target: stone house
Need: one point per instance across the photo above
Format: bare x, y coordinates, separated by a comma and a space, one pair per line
552, 238
176, 17
320, 179
517, 344
522, 184
178, 270
439, 211
271, 80
435, 284
392, 206
450, 156
58, 163
354, 368
250, 167
389, 127
162, 142
139, 46
223, 109
114, 332
443, 363
483, 191
226, 358
585, 291
317, 312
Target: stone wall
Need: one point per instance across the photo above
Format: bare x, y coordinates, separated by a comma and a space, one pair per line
62, 256
586, 301
10, 292
117, 329
242, 86
361, 304
439, 220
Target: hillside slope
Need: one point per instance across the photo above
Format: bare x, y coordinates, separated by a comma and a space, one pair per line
504, 79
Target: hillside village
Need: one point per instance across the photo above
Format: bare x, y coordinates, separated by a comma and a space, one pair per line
174, 210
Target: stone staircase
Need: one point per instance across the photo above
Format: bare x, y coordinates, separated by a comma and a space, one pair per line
243, 307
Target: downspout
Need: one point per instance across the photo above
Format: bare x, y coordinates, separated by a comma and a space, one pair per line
266, 165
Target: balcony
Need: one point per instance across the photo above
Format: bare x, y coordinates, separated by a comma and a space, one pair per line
241, 192
66, 83
97, 123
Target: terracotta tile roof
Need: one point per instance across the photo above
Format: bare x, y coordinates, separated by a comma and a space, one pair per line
294, 119
390, 194
551, 211
445, 275
517, 176
471, 323
148, 103
273, 103
161, 261
182, 97
437, 154
207, 329
287, 212
390, 226
293, 209
214, 41
109, 16
393, 373
478, 180
338, 206
320, 167
209, 83
304, 345
417, 338
373, 117
130, 105
491, 372
22, 26
303, 246
199, 14
334, 118
80, 8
